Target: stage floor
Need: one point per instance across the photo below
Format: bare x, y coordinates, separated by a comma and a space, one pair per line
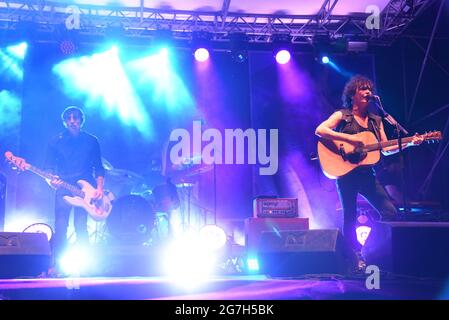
239, 287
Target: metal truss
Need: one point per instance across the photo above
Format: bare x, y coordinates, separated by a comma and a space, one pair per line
397, 16
141, 22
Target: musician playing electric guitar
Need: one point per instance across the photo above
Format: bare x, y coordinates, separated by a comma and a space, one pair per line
73, 155
348, 126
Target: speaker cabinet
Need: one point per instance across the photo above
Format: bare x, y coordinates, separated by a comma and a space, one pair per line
410, 248
23, 254
299, 252
255, 227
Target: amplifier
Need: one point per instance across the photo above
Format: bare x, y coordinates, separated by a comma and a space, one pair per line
275, 208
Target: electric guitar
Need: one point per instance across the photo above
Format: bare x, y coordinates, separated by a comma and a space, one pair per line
82, 195
338, 158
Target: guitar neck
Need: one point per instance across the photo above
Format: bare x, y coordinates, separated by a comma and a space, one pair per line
74, 190
384, 144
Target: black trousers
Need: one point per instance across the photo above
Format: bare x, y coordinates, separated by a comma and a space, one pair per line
362, 180
62, 215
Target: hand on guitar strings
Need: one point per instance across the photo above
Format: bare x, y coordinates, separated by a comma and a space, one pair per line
417, 140
99, 193
55, 183
356, 141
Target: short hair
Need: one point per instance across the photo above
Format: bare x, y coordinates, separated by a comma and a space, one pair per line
351, 87
77, 112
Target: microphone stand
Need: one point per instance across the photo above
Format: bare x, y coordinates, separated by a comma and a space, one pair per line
400, 130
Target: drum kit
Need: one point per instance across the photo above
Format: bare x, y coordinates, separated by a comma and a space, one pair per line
133, 219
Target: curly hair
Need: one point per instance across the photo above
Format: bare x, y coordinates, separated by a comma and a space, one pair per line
351, 87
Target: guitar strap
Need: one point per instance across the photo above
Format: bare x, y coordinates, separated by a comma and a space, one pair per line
376, 128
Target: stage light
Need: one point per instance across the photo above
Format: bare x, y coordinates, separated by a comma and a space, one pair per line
252, 264
67, 47
362, 234
76, 261
239, 56
19, 219
325, 59
18, 50
188, 262
362, 219
201, 54
283, 56
213, 236
102, 78
10, 113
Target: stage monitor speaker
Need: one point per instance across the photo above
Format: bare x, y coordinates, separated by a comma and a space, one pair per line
255, 227
23, 254
409, 248
301, 252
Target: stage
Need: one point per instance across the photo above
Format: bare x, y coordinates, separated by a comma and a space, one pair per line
243, 287
224, 151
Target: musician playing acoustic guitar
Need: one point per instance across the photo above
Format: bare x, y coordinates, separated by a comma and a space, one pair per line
73, 155
343, 125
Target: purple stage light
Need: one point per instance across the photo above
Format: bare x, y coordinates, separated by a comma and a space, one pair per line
201, 54
362, 234
283, 56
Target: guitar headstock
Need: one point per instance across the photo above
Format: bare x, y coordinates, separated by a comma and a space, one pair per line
17, 162
433, 136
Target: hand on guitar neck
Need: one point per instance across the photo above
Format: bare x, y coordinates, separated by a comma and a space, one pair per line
83, 195
415, 140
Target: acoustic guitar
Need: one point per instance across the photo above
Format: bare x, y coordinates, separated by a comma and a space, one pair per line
338, 158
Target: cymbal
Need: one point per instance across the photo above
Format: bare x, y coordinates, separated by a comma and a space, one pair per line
124, 174
106, 164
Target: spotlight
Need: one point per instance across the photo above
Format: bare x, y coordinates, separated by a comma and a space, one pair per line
239, 56
362, 234
18, 50
283, 56
213, 236
252, 264
201, 54
67, 47
76, 261
325, 59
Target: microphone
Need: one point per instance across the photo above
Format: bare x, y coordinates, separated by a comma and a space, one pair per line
376, 99
372, 97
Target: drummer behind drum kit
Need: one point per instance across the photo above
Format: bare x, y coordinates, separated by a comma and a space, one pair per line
133, 220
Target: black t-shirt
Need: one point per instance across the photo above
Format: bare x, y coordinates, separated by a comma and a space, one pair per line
350, 126
75, 157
